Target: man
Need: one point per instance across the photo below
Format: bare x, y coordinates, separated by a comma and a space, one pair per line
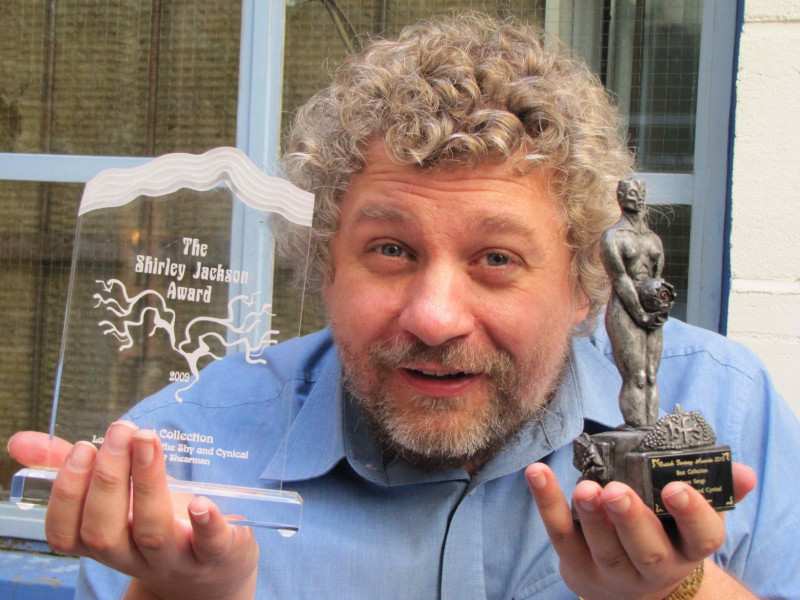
463, 176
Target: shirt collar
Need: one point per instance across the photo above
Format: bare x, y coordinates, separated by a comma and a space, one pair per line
315, 441
588, 390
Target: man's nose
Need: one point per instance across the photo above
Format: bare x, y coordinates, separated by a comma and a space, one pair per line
436, 307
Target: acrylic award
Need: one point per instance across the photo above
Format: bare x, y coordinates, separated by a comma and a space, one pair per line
176, 295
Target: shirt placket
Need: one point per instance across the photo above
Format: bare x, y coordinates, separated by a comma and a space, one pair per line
462, 560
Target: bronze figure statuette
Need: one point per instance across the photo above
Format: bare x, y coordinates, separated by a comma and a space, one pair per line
647, 452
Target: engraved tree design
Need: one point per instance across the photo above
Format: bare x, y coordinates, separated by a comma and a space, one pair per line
132, 312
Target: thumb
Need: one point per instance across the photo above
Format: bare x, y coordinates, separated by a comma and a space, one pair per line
37, 449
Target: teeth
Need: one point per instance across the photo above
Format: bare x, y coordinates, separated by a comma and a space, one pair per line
440, 375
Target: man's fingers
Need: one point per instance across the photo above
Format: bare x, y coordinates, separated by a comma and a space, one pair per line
218, 545
600, 532
37, 449
65, 509
556, 514
639, 530
213, 536
104, 529
646, 543
153, 525
702, 529
744, 481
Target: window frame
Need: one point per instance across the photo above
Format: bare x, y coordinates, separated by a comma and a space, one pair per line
257, 134
706, 189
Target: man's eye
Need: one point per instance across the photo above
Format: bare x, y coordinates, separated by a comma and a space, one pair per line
391, 250
496, 259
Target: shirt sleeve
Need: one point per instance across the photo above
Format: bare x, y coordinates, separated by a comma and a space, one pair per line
764, 529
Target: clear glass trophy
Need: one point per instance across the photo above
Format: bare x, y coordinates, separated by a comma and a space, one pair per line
175, 273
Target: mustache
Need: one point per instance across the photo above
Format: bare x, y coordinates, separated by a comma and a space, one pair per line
461, 356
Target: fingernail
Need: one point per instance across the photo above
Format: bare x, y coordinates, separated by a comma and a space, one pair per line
201, 518
676, 497
588, 505
118, 438
81, 457
619, 505
538, 480
8, 445
143, 449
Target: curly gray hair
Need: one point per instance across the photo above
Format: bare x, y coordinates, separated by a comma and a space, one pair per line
467, 90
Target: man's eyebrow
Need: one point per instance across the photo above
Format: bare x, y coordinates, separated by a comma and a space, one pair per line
505, 224
389, 214
493, 223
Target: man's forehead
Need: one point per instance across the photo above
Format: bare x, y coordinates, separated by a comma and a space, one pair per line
387, 176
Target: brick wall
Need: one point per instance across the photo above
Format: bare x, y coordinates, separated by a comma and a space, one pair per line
764, 303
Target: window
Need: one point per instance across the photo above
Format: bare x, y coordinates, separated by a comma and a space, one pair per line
95, 84
647, 55
668, 63
86, 86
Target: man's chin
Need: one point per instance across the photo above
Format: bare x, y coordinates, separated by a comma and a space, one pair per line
441, 437
433, 459
463, 430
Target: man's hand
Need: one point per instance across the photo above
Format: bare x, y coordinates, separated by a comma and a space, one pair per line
113, 505
620, 550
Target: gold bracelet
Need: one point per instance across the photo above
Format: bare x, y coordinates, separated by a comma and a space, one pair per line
689, 587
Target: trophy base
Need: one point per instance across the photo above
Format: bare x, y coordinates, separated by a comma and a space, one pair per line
276, 509
618, 456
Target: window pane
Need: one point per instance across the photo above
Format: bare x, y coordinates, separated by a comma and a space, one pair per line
318, 35
654, 51
78, 81
646, 51
36, 235
118, 78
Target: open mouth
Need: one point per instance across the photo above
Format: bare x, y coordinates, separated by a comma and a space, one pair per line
435, 375
441, 382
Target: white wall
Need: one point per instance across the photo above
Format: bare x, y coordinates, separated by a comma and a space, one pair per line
764, 303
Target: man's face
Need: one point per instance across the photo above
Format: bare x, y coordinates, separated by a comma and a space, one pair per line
451, 304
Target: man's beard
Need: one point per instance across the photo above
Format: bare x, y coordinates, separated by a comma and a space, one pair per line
518, 392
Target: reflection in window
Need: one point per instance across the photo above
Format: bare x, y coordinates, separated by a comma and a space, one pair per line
120, 77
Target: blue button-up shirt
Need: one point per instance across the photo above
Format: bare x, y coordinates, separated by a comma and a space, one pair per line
374, 528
